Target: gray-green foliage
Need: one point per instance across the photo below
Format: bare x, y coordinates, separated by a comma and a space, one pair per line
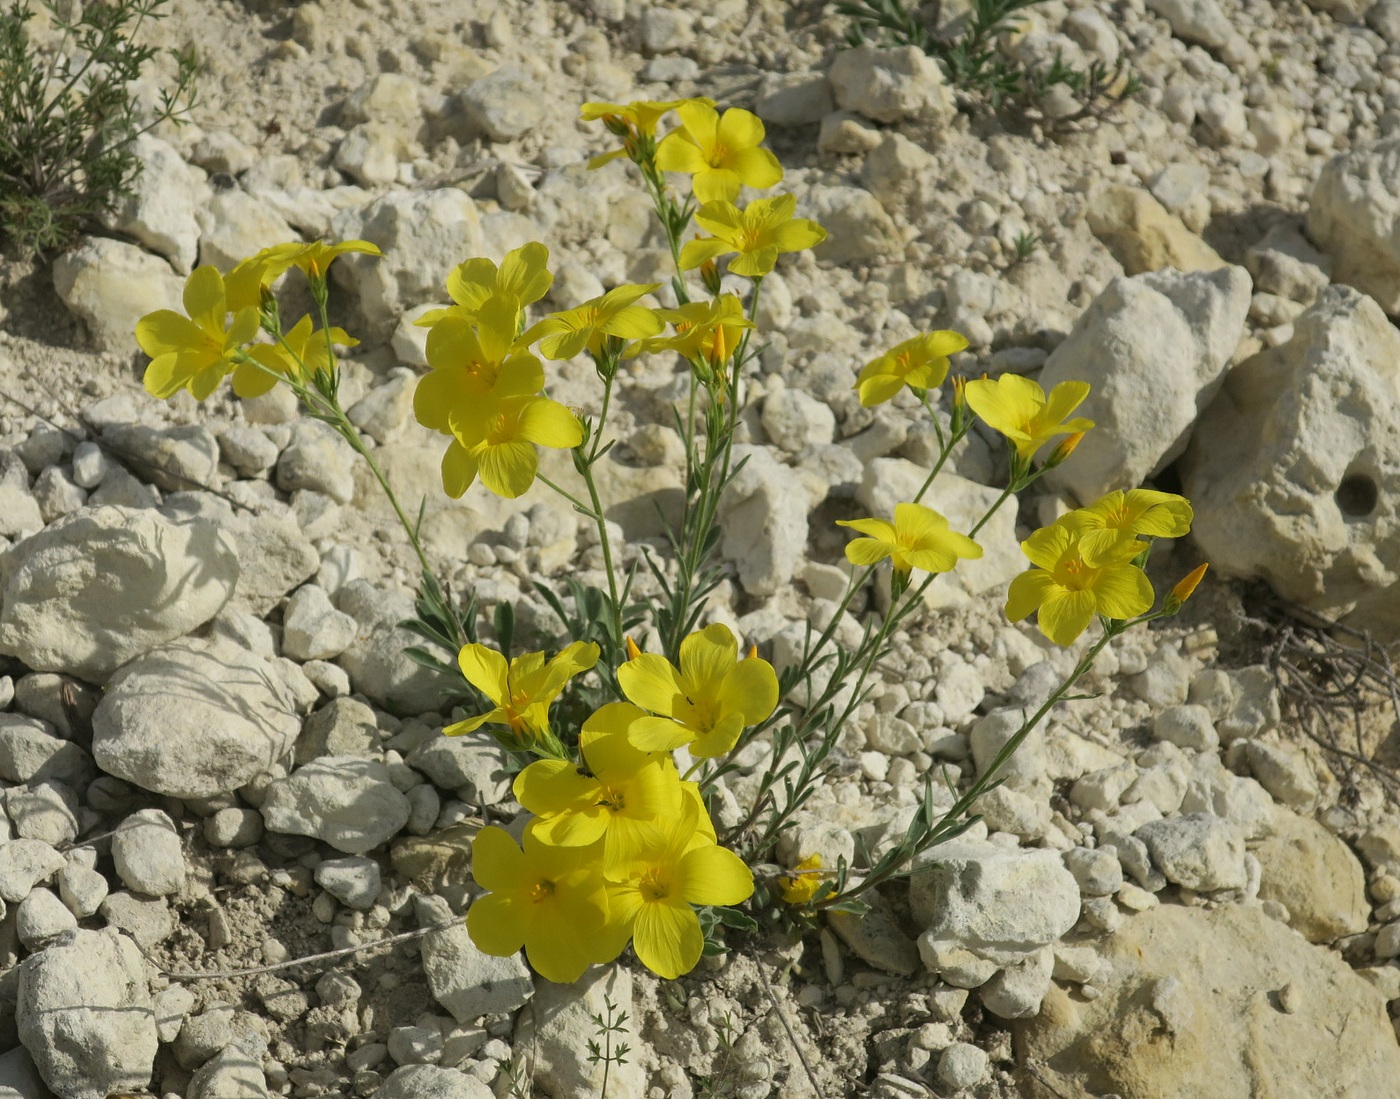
972, 63
68, 118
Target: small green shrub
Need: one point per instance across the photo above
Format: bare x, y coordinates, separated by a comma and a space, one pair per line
975, 67
68, 118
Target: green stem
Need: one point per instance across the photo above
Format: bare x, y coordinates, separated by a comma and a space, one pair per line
583, 508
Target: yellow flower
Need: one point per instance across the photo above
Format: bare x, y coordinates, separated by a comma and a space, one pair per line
304, 356
720, 153
921, 363
707, 331
620, 789
522, 278
631, 121
760, 232
802, 884
651, 897
1019, 409
705, 703
1072, 584
522, 690
194, 352
918, 538
564, 335
474, 362
499, 441
314, 259
1137, 511
550, 900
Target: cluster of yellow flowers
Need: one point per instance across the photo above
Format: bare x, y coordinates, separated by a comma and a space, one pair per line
620, 847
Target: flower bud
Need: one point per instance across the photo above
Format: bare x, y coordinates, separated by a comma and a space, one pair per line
1065, 448
709, 275
958, 418
1184, 588
632, 650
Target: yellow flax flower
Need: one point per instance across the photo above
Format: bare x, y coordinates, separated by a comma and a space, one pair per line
921, 363
522, 690
1137, 511
1019, 409
499, 441
314, 259
802, 883
1072, 584
474, 361
760, 233
721, 153
620, 789
706, 702
707, 331
550, 900
301, 356
631, 121
194, 352
919, 538
522, 278
564, 335
651, 897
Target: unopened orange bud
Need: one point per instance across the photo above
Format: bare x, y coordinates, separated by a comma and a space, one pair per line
719, 348
753, 652
1064, 449
709, 275
632, 651
1185, 587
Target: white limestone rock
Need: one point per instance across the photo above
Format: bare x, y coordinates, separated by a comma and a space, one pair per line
350, 802
423, 235
194, 719
85, 1015
1354, 216
110, 285
1295, 468
104, 585
1154, 349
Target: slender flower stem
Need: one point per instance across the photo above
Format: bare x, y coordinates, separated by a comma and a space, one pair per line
569, 496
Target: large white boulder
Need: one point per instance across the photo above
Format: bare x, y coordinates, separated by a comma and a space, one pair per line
85, 1015
1294, 469
194, 719
101, 586
109, 285
423, 235
1154, 349
1354, 216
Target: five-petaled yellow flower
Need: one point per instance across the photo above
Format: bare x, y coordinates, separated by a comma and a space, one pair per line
651, 897
615, 314
919, 538
801, 883
314, 259
760, 232
194, 352
499, 444
620, 789
550, 900
921, 363
721, 153
1019, 409
522, 278
1071, 584
706, 702
301, 355
1137, 511
707, 331
522, 690
632, 121
475, 362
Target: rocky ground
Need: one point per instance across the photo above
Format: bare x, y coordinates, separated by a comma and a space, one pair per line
215, 758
